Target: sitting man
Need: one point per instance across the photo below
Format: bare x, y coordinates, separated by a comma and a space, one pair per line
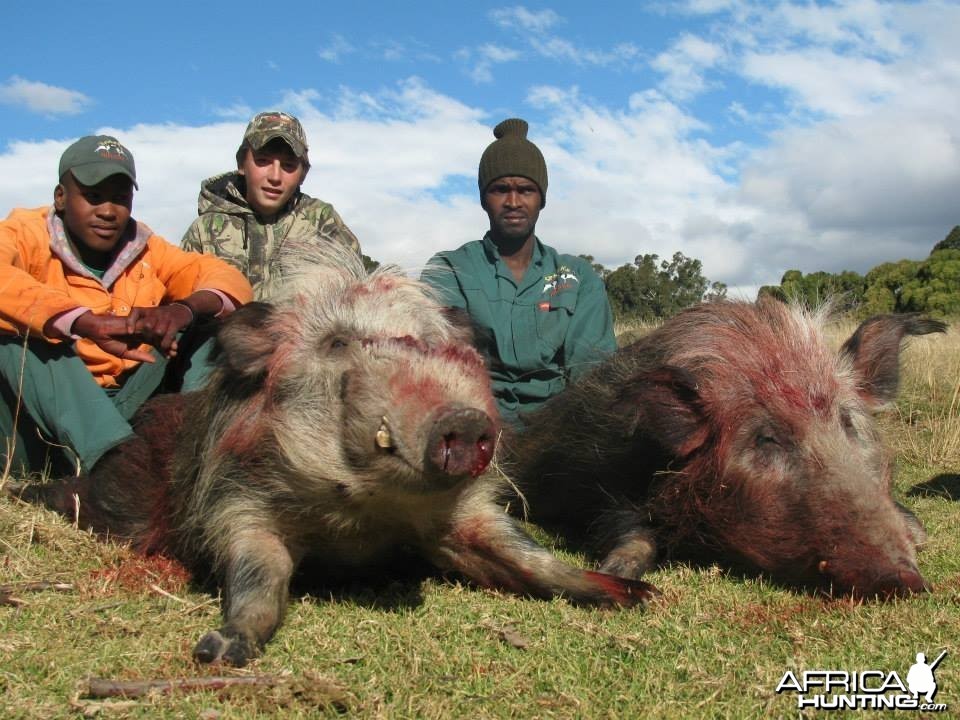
542, 318
85, 291
251, 216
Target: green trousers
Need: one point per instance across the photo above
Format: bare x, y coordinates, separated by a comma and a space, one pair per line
54, 415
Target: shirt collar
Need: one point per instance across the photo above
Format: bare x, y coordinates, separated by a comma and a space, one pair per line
493, 255
131, 244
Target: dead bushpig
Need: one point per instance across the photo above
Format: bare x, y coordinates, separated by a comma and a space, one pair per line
347, 419
732, 433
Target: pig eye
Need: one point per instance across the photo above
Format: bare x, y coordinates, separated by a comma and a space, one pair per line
337, 343
767, 441
846, 421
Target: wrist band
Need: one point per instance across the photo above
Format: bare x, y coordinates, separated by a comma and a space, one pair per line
193, 315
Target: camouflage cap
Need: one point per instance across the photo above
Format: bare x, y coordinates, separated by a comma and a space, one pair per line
94, 158
275, 124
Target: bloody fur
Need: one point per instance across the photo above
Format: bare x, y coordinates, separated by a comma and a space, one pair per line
346, 420
732, 433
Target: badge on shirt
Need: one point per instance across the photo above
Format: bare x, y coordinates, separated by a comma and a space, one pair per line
543, 306
562, 279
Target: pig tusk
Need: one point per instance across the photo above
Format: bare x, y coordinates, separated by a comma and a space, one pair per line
822, 567
383, 438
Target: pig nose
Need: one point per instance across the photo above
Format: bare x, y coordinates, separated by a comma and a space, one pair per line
461, 441
901, 583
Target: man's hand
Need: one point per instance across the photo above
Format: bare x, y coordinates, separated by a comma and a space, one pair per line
159, 326
111, 335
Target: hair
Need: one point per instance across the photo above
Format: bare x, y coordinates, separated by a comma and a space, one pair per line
245, 146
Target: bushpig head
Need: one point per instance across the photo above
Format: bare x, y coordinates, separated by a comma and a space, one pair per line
381, 390
735, 432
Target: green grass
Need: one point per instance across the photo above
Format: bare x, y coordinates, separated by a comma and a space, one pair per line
715, 647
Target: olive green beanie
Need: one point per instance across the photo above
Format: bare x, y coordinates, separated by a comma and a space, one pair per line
512, 154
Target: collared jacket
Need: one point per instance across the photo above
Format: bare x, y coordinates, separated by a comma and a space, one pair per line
537, 334
40, 277
229, 228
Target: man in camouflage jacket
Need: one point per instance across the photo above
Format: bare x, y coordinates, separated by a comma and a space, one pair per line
251, 217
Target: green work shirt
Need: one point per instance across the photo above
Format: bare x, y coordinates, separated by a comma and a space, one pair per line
536, 334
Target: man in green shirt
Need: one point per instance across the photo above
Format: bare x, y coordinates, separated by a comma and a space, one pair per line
256, 215
541, 318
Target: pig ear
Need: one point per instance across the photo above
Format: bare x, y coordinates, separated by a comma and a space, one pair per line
665, 405
874, 350
244, 341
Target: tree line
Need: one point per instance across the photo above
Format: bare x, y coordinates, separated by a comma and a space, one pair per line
930, 286
652, 289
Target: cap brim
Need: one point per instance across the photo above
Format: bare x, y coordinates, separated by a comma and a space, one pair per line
299, 149
97, 172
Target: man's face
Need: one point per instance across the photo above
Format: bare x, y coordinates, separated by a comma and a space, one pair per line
95, 215
273, 174
513, 206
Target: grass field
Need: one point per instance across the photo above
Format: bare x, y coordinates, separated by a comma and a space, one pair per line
716, 647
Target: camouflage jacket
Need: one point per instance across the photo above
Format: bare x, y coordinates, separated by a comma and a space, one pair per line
230, 229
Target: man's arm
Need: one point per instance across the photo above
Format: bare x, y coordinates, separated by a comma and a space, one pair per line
26, 303
184, 273
439, 275
331, 227
191, 240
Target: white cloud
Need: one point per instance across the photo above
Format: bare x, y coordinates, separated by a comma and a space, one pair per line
684, 64
41, 98
523, 19
393, 51
487, 56
533, 28
823, 81
498, 53
236, 111
558, 48
336, 49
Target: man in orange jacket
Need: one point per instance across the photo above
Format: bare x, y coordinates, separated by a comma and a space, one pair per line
92, 306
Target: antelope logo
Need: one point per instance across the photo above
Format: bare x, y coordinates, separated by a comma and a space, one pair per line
111, 149
562, 279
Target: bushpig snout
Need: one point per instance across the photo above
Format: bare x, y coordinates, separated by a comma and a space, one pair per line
902, 581
461, 442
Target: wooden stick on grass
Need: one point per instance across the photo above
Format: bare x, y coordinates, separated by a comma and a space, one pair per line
106, 688
8, 596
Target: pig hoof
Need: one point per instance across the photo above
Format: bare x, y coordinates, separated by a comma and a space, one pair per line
634, 554
642, 593
631, 568
623, 592
215, 647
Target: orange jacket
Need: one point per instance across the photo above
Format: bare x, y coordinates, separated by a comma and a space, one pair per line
36, 285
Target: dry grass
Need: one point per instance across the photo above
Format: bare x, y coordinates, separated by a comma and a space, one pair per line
928, 412
628, 331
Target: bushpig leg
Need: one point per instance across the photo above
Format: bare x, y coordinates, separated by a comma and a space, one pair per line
256, 586
628, 547
116, 500
490, 548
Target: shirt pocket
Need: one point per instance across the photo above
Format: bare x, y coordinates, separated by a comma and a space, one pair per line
140, 287
553, 321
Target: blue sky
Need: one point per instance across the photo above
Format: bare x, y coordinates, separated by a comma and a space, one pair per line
756, 136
